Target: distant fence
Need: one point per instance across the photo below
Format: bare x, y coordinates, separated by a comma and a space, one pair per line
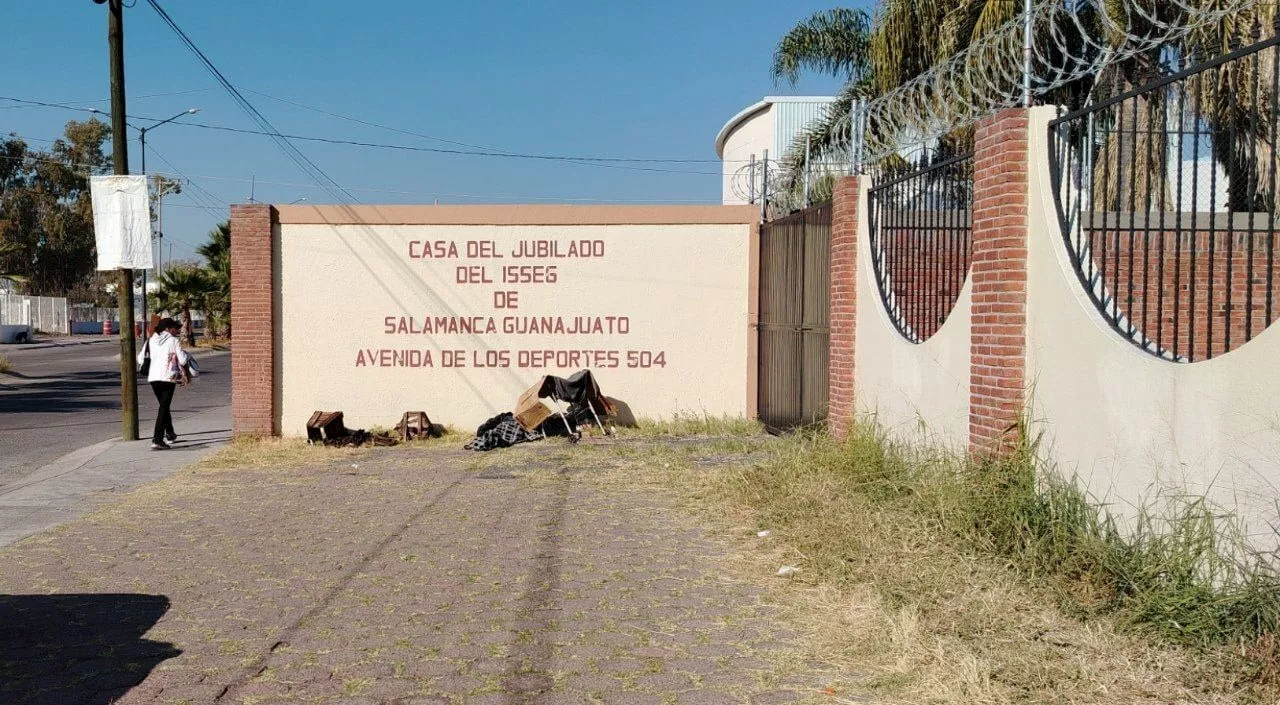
81, 313
1167, 196
47, 314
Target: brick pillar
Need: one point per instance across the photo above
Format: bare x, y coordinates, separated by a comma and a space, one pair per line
844, 294
252, 321
997, 385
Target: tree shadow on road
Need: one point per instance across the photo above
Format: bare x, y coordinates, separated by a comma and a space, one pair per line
71, 392
81, 649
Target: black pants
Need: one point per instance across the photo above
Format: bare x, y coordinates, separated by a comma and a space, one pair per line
164, 420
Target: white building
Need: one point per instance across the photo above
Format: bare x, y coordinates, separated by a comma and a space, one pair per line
768, 126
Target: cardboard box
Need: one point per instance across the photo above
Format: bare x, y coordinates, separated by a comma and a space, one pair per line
530, 411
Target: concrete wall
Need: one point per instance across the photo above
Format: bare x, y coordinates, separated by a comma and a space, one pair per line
1127, 422
353, 291
752, 137
1026, 341
912, 390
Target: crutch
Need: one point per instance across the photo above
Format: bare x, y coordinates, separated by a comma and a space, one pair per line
574, 436
597, 417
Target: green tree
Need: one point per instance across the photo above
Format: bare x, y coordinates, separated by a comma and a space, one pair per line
181, 289
46, 215
217, 254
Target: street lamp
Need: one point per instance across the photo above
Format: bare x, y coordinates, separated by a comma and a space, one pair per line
142, 137
297, 200
143, 130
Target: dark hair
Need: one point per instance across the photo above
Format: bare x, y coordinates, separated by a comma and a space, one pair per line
165, 324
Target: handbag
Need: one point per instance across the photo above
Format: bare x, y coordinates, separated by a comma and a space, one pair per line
145, 367
174, 370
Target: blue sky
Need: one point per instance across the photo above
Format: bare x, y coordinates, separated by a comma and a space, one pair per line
626, 79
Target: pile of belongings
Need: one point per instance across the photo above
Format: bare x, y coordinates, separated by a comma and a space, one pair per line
533, 420
416, 424
326, 427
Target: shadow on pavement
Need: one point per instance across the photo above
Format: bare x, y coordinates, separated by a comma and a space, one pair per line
84, 649
70, 392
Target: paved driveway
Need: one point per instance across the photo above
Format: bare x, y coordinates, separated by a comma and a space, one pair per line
404, 576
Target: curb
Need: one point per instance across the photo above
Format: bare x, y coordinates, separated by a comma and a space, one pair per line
198, 352
70, 343
68, 463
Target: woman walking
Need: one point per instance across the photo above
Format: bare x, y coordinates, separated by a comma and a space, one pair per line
165, 363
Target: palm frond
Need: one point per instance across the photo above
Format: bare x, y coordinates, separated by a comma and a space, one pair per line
833, 42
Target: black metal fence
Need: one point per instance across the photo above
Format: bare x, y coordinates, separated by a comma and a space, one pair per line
921, 240
1166, 194
794, 327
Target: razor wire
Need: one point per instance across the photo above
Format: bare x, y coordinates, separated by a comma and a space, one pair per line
1074, 40
752, 182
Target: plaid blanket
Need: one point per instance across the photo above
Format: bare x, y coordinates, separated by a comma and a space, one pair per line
502, 434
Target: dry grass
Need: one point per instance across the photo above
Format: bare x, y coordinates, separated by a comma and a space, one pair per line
205, 342
888, 590
5, 364
251, 452
266, 452
693, 425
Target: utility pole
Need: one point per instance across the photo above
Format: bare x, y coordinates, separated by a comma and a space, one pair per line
120, 159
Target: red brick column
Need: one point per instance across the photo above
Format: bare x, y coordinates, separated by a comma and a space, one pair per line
997, 384
844, 295
252, 321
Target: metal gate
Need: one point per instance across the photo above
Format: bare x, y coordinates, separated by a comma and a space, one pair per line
795, 257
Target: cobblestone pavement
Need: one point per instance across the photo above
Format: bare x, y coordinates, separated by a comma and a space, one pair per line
408, 576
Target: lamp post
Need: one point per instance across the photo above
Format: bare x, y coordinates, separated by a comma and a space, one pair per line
142, 138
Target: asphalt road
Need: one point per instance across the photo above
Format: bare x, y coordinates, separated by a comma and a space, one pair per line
57, 400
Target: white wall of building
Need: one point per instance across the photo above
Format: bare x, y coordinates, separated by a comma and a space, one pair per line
765, 128
752, 137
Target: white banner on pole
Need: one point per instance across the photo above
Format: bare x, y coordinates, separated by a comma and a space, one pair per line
121, 221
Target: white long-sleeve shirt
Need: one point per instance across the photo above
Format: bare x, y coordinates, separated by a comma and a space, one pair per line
162, 344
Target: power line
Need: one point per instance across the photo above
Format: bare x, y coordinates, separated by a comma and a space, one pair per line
605, 162
207, 201
105, 100
296, 155
488, 151
220, 204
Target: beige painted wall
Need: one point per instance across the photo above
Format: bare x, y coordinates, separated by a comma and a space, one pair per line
752, 137
916, 392
684, 288
1127, 422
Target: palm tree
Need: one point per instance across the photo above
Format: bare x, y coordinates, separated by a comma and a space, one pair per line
1237, 102
217, 255
907, 38
834, 42
182, 289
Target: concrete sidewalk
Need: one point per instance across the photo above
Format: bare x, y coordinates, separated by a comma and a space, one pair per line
62, 342
89, 477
